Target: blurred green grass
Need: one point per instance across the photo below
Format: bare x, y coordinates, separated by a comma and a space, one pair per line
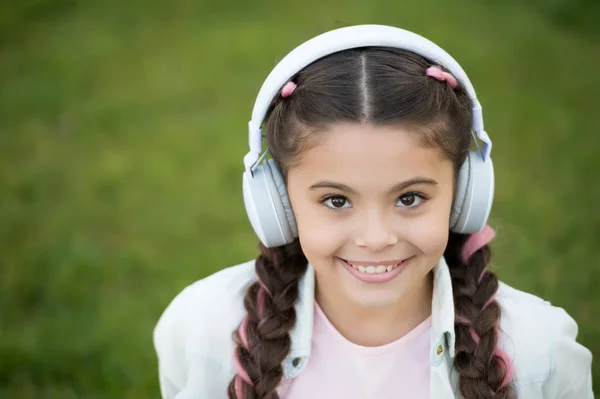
123, 126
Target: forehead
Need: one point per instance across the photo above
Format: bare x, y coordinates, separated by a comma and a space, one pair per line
355, 152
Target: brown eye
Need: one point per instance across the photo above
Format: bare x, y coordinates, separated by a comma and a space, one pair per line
407, 200
337, 202
411, 200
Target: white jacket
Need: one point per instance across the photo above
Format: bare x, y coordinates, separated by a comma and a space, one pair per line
194, 345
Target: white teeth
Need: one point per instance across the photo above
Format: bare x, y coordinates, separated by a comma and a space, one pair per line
374, 269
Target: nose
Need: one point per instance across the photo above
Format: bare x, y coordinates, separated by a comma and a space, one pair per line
376, 233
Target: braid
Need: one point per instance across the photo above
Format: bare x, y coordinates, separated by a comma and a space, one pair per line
484, 369
262, 338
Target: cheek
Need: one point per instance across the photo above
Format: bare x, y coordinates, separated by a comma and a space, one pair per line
430, 238
320, 236
429, 232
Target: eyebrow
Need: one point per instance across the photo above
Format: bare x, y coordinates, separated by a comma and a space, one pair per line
398, 187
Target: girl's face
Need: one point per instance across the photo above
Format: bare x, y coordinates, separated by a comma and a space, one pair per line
372, 206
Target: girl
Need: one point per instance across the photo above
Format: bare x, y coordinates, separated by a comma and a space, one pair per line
372, 279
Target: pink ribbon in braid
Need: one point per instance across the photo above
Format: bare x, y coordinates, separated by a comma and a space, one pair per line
262, 291
241, 373
475, 242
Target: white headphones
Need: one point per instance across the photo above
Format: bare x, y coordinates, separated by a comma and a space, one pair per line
265, 194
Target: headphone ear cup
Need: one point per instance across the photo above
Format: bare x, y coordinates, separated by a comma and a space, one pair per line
253, 198
267, 205
474, 195
287, 216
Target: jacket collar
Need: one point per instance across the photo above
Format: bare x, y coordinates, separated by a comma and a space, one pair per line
442, 306
442, 315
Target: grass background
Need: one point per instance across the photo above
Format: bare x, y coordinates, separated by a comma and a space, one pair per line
122, 132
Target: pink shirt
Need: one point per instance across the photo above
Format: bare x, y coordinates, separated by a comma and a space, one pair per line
339, 369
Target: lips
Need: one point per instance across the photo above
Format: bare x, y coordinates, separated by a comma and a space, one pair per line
374, 263
375, 271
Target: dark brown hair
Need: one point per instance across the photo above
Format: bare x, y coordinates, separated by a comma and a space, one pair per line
379, 86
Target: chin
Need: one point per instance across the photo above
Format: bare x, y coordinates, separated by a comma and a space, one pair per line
376, 297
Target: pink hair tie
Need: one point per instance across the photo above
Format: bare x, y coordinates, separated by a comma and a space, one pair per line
288, 89
437, 72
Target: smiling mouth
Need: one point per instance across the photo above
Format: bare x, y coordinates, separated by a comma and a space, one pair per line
375, 267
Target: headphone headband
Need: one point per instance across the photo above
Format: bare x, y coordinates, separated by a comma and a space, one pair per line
343, 39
